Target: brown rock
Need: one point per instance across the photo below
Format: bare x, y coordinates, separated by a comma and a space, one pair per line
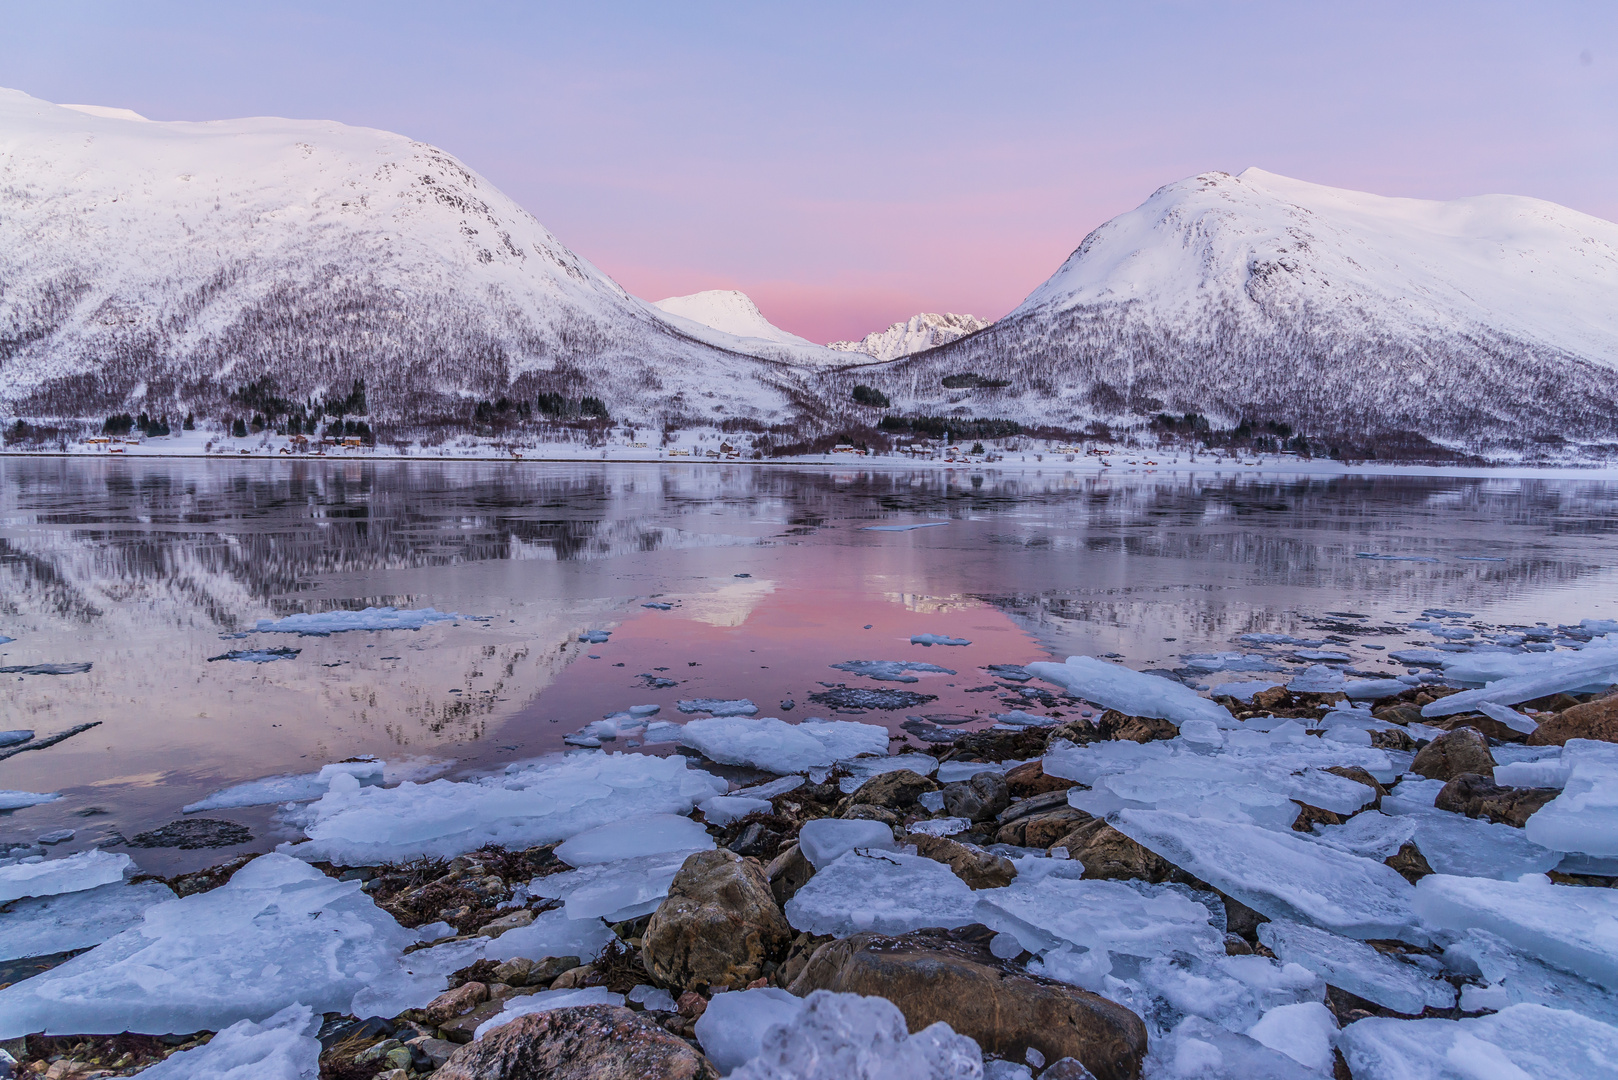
1487, 725
496, 927
1597, 719
950, 975
1552, 703
1478, 796
1273, 697
1410, 863
1029, 779
457, 1002
1241, 919
1108, 854
1463, 750
573, 977
462, 1028
867, 812
978, 868
1393, 739
977, 799
787, 873
1310, 816
545, 971
1079, 732
587, 1042
1141, 729
1402, 714
1361, 776
691, 1004
718, 925
514, 972
895, 790
1043, 830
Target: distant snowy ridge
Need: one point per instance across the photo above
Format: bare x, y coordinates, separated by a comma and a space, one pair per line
1487, 321
921, 332
730, 320
153, 265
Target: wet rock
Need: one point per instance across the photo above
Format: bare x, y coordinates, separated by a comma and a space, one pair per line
1463, 750
1043, 830
452, 1003
757, 840
951, 976
991, 745
514, 972
1240, 919
573, 977
1108, 854
896, 790
978, 799
546, 971
1361, 776
867, 812
1393, 739
1310, 816
978, 868
1029, 779
1593, 720
1141, 729
787, 873
1489, 727
589, 1042
496, 927
1078, 732
436, 1051
192, 834
1403, 714
1478, 796
1409, 862
718, 925
845, 697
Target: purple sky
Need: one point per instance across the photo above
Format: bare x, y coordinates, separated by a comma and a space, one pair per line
850, 164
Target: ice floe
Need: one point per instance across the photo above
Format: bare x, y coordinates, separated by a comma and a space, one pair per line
257, 656
890, 892
74, 873
324, 623
1515, 1043
719, 706
890, 670
282, 1047
632, 837
1113, 686
930, 640
1356, 967
296, 788
848, 1037
16, 800
1584, 818
1573, 927
43, 925
779, 747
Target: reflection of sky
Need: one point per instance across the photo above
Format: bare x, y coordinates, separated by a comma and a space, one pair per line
139, 567
850, 164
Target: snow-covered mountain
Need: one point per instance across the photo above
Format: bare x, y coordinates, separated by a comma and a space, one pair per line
1486, 321
730, 320
918, 334
159, 265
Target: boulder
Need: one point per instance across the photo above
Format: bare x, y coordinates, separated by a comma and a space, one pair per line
1488, 726
1593, 720
1029, 779
787, 873
978, 868
585, 1042
1463, 750
951, 976
1041, 830
1078, 732
519, 918
1141, 729
1360, 776
718, 925
1108, 854
978, 799
1409, 862
868, 812
1402, 714
1478, 796
458, 1002
895, 790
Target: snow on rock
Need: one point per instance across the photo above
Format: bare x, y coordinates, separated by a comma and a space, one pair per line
1113, 686
730, 320
890, 892
917, 334
279, 932
1573, 927
529, 803
848, 1037
732, 1029
545, 1001
295, 788
1516, 1043
1356, 967
77, 920
1281, 875
16, 800
282, 1047
325, 623
1584, 818
86, 870
779, 747
646, 834
825, 840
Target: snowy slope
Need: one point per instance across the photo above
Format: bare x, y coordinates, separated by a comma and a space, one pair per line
1485, 321
157, 264
918, 334
730, 320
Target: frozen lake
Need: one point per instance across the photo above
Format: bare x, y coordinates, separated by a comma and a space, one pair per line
152, 571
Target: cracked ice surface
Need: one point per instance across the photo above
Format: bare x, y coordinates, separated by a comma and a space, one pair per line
1356, 967
75, 920
1515, 1043
278, 933
530, 803
1570, 926
889, 892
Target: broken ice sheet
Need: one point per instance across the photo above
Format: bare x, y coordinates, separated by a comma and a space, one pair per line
545, 1001
40, 926
631, 837
1113, 686
279, 932
1517, 1042
864, 768
281, 789
283, 1047
1573, 927
1584, 818
1513, 977
626, 889
723, 809
1473, 847
889, 892
1356, 967
776, 746
733, 1027
1125, 917
16, 800
323, 623
52, 877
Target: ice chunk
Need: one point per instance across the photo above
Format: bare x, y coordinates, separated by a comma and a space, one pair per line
646, 834
626, 889
278, 932
552, 933
1548, 771
948, 826
904, 528
1277, 874
930, 640
890, 670
824, 840
771, 789
1516, 1043
530, 803
1370, 835
86, 870
1199, 1050
862, 769
1280, 639
15, 736
1584, 818
257, 656
1131, 693
1371, 689
545, 1001
295, 788
75, 920
723, 809
889, 892
283, 1047
732, 1029
1020, 718
1453, 844
776, 746
1356, 967
719, 706
1514, 978
1303, 1032
1572, 927
848, 1037
1124, 917
951, 771
652, 997
323, 623
16, 800
1552, 673
1319, 679
1513, 719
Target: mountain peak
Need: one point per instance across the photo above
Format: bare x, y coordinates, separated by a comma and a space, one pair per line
918, 334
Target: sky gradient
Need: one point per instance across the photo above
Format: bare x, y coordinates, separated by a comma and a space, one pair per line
848, 164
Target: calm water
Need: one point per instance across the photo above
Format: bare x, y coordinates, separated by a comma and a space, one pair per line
144, 569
